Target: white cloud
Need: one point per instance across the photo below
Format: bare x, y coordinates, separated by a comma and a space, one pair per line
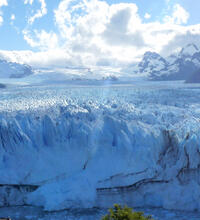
92, 32
41, 39
39, 13
1, 20
94, 29
179, 15
55, 57
147, 16
28, 2
3, 3
122, 26
12, 17
183, 37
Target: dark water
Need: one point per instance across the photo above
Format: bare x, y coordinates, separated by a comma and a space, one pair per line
30, 213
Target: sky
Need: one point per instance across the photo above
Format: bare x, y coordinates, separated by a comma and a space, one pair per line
95, 32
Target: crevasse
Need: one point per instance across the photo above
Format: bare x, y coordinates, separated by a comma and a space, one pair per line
142, 150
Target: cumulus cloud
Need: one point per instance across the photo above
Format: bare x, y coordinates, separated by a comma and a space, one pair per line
92, 32
119, 30
179, 15
181, 39
114, 32
96, 29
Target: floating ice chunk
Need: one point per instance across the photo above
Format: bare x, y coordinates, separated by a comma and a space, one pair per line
76, 191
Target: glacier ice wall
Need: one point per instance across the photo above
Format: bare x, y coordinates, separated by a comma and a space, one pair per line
65, 148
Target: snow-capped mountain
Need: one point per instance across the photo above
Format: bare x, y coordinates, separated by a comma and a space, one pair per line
174, 67
189, 50
152, 63
14, 70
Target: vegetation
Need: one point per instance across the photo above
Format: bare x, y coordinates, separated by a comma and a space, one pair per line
125, 213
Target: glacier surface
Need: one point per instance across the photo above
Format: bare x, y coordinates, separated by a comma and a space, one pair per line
92, 146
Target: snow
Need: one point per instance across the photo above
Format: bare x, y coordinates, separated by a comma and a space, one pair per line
14, 70
171, 59
92, 146
190, 50
177, 66
196, 62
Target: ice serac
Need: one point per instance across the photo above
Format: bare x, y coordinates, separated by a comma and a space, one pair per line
14, 70
139, 147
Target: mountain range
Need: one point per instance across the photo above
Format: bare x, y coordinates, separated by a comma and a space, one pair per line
183, 65
178, 66
14, 70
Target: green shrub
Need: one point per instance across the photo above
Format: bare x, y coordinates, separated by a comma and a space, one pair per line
125, 213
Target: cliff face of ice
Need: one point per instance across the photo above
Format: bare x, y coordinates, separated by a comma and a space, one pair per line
136, 146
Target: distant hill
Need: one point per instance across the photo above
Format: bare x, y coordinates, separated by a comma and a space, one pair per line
194, 78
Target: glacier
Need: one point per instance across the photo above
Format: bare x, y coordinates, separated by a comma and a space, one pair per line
65, 147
